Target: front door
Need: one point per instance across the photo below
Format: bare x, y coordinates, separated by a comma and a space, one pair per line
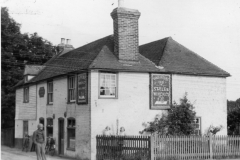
25, 128
61, 136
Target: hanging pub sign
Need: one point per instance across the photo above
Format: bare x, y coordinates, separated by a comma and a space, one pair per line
82, 87
160, 91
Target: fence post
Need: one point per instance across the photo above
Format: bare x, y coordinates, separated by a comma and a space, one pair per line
210, 146
152, 147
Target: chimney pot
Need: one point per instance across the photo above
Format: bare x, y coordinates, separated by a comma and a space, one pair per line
62, 40
120, 3
68, 41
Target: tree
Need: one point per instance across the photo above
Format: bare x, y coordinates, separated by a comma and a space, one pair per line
178, 121
17, 50
233, 117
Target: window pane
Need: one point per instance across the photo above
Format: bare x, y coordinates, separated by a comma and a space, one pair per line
107, 84
71, 133
71, 88
71, 138
49, 131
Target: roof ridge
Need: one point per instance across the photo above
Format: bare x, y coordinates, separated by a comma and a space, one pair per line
201, 57
149, 61
164, 48
103, 46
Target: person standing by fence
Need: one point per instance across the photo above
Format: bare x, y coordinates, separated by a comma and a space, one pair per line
39, 141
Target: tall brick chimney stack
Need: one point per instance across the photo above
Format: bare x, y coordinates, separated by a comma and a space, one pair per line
125, 25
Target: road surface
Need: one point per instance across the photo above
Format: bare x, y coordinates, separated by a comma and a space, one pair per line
8, 153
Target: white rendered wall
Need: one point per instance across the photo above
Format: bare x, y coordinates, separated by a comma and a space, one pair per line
208, 94
131, 107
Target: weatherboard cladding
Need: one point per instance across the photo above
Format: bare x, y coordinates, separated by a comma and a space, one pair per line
167, 53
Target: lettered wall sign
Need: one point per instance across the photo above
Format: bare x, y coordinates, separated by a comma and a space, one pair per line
160, 91
82, 88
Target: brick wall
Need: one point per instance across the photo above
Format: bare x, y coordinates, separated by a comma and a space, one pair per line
125, 25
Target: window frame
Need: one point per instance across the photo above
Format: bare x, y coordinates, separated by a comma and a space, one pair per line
25, 95
49, 93
74, 89
116, 85
200, 126
73, 129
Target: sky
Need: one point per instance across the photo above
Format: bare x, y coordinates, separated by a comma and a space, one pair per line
210, 28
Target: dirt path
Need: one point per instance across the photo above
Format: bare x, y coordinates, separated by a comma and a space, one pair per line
16, 154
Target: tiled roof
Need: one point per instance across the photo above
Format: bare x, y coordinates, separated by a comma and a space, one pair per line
165, 55
77, 59
176, 58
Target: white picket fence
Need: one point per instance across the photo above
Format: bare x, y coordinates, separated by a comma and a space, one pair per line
194, 147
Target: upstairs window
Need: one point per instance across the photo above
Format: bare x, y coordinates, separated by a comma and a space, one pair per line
50, 92
26, 94
71, 133
108, 85
71, 89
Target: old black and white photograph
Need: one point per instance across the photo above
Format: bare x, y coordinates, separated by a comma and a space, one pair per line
120, 79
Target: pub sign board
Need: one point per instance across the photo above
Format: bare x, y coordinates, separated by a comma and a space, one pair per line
82, 87
160, 91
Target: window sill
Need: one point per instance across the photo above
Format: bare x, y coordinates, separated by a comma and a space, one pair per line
25, 102
71, 149
106, 97
159, 107
71, 102
50, 104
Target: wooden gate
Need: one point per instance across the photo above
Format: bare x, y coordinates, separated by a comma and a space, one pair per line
116, 147
7, 137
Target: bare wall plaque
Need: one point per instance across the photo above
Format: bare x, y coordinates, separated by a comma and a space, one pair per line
41, 92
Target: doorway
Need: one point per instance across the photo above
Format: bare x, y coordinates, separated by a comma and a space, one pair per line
41, 120
25, 128
61, 136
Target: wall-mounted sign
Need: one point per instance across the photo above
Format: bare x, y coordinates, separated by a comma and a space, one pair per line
82, 88
41, 92
160, 91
